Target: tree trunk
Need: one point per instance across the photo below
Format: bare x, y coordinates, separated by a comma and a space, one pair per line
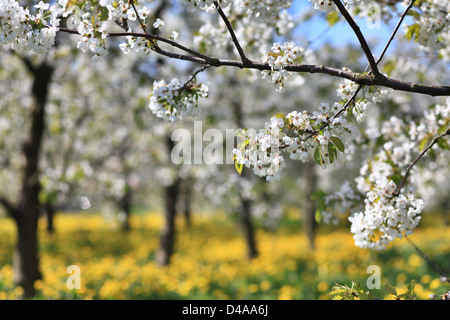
50, 214
244, 212
125, 206
187, 204
167, 239
26, 257
309, 207
244, 209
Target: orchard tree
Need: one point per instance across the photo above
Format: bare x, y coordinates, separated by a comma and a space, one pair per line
384, 203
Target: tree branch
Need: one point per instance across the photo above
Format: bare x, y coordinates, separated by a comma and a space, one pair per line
360, 36
361, 79
430, 262
433, 142
244, 59
10, 209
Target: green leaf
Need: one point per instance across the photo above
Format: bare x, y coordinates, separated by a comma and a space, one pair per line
389, 67
391, 289
280, 115
423, 143
318, 216
318, 195
443, 144
318, 155
104, 14
338, 143
238, 167
411, 287
332, 18
413, 32
413, 13
332, 151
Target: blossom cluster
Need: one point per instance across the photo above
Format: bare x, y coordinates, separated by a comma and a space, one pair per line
429, 26
388, 212
387, 216
172, 101
300, 134
372, 96
265, 9
24, 30
207, 5
324, 5
432, 27
136, 44
94, 20
280, 56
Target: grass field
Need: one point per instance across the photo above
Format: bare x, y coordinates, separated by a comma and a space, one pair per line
210, 261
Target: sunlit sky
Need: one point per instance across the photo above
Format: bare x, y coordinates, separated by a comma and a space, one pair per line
317, 29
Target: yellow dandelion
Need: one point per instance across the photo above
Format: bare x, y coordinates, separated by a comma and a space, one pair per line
434, 284
425, 279
323, 286
265, 285
414, 260
401, 278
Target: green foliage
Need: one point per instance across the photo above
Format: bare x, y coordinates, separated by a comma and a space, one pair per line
408, 295
332, 18
355, 292
338, 143
413, 32
319, 197
318, 155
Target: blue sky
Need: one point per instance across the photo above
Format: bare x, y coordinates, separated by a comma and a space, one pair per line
341, 33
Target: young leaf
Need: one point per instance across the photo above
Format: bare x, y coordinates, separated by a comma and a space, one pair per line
318, 155
318, 195
338, 143
332, 152
443, 144
238, 167
318, 216
332, 18
391, 289
413, 31
280, 115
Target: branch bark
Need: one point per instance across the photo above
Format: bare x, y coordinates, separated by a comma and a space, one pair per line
244, 59
430, 262
362, 79
360, 36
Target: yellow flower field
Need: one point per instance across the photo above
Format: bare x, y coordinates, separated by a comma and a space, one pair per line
210, 261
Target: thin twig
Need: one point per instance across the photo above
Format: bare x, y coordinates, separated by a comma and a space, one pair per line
433, 142
244, 59
395, 31
397, 27
430, 262
143, 26
194, 75
360, 36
